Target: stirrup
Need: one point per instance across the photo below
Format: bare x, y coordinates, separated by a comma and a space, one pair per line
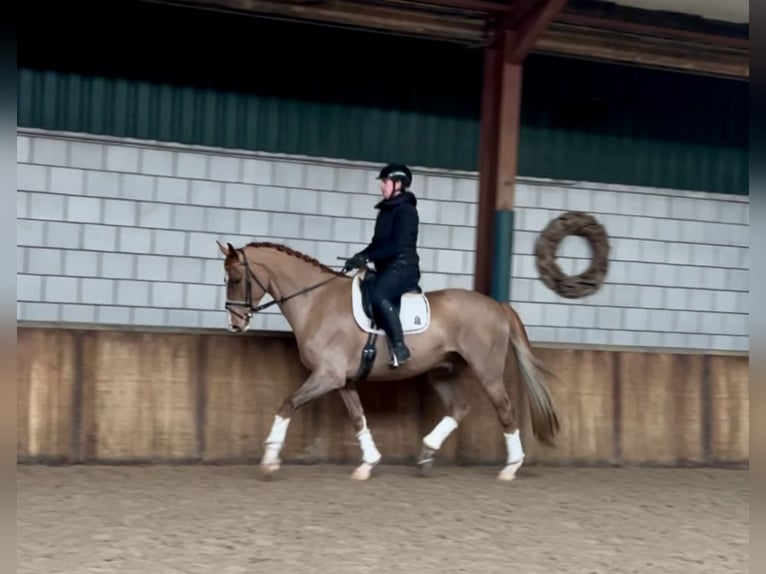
395, 361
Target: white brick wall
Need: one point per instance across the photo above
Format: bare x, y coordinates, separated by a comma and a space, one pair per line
123, 232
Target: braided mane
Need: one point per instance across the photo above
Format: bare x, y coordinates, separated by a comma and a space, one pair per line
295, 253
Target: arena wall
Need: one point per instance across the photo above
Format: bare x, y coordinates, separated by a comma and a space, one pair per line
122, 233
122, 356
117, 396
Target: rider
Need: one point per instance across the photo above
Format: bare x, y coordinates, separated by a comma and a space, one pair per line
393, 250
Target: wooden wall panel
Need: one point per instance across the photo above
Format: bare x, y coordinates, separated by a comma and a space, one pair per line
583, 395
730, 408
107, 396
139, 396
661, 407
245, 380
45, 377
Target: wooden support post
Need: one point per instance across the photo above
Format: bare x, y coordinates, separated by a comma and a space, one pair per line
488, 153
500, 125
501, 106
509, 121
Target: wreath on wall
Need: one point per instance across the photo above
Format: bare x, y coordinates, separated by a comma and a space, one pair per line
590, 280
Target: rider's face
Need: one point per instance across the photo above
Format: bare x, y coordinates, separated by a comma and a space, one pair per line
388, 187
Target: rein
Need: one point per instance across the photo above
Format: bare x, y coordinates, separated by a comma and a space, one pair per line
248, 302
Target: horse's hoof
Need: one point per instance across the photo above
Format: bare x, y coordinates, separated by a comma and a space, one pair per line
269, 469
363, 471
426, 461
426, 468
509, 472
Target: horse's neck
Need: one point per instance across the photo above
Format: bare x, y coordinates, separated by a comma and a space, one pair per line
287, 278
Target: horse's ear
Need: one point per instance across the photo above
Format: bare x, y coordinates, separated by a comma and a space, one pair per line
232, 251
223, 249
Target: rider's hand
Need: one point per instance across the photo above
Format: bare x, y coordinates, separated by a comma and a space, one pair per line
354, 262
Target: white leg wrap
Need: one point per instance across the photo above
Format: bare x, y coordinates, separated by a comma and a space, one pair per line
370, 453
441, 431
513, 444
275, 440
271, 455
278, 431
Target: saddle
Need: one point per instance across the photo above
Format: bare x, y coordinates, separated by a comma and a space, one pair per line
414, 310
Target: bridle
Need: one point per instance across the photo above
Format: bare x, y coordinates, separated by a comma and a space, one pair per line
233, 306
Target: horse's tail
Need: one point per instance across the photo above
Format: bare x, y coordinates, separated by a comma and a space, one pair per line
545, 422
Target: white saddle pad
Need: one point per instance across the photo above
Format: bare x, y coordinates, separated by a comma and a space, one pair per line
414, 311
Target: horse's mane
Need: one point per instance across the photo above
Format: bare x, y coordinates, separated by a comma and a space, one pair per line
295, 253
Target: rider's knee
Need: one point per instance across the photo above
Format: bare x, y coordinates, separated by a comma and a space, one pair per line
378, 296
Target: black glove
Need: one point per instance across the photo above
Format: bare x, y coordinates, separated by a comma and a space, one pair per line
355, 262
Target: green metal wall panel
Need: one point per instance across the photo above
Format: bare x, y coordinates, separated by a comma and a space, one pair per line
107, 106
228, 81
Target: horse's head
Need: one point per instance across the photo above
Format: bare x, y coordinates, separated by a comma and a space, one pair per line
244, 290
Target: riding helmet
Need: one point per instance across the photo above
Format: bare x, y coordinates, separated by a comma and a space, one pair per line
397, 172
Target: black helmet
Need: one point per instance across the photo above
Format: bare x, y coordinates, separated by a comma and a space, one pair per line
397, 172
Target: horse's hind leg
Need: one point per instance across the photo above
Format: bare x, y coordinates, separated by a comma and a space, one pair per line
370, 454
490, 374
451, 395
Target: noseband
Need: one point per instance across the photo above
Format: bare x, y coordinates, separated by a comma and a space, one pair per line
232, 306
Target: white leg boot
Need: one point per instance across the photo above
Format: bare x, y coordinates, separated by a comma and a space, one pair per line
515, 456
440, 432
432, 442
370, 454
270, 461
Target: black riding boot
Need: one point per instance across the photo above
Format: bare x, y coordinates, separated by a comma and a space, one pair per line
390, 323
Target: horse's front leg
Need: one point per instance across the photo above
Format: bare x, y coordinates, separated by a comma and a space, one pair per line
318, 384
370, 454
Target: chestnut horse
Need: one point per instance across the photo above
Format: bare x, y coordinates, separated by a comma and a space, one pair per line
452, 333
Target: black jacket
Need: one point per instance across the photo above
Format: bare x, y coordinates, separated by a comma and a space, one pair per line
396, 233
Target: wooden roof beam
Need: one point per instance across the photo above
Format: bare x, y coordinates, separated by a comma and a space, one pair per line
353, 14
569, 35
655, 52
531, 26
479, 6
